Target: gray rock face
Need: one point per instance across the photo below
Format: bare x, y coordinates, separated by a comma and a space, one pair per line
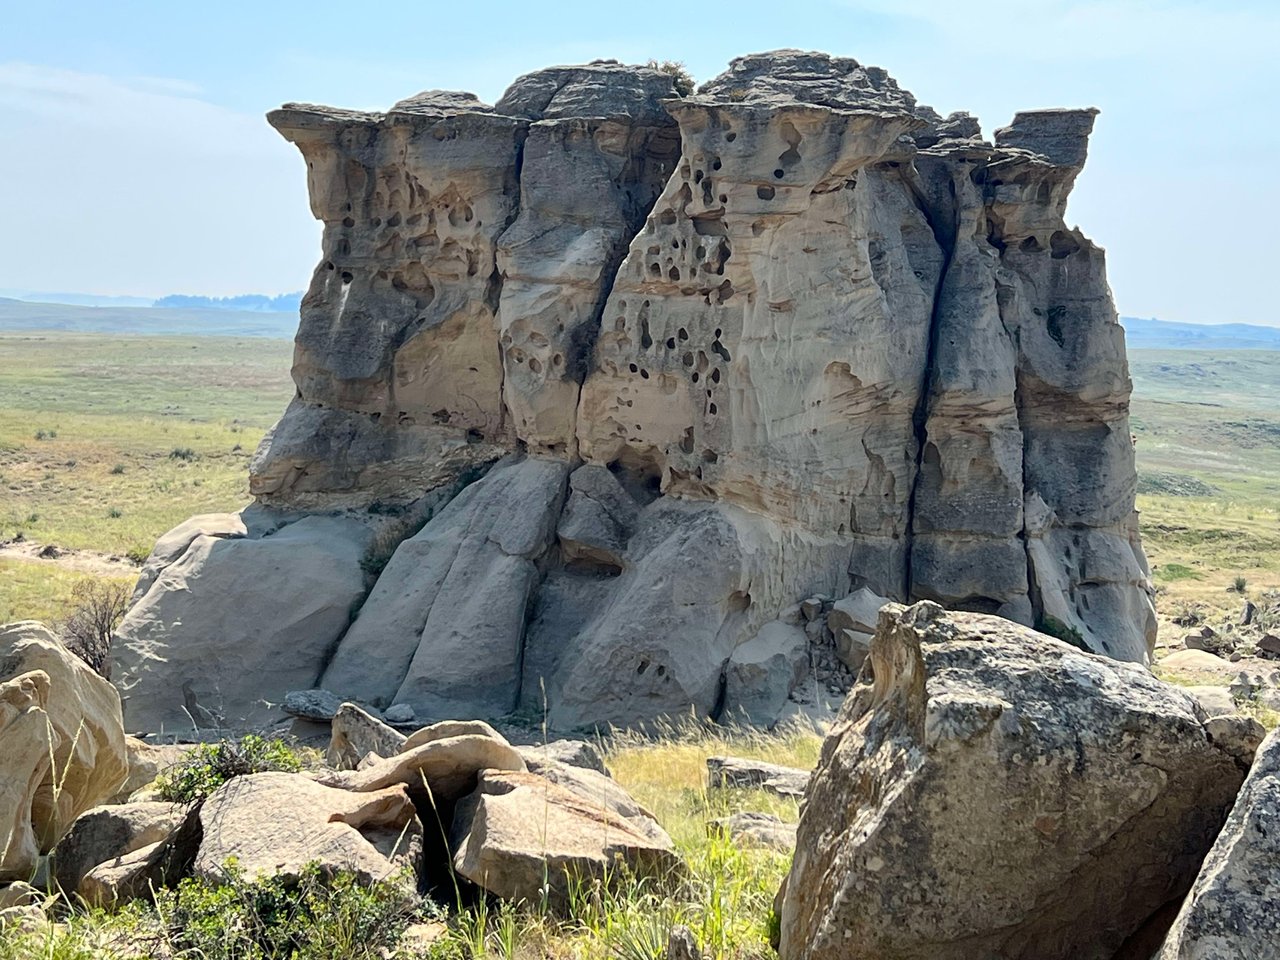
655, 369
236, 620
764, 671
442, 628
1038, 801
1231, 911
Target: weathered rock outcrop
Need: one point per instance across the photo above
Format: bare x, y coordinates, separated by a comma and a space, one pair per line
522, 837
62, 745
1231, 911
273, 824
998, 793
654, 369
109, 832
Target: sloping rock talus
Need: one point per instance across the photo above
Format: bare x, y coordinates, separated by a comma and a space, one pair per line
1033, 800
601, 380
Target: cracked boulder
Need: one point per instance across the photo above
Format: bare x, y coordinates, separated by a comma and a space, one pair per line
522, 837
1037, 801
274, 824
1231, 910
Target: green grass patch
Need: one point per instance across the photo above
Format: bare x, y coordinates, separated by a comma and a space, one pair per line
1173, 572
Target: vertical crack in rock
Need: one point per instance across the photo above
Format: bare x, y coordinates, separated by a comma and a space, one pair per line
945, 236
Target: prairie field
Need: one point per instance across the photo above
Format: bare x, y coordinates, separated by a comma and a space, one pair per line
107, 441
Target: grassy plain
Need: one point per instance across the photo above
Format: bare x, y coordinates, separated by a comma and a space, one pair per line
1208, 445
108, 441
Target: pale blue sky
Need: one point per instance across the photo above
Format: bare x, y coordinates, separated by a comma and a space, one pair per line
134, 158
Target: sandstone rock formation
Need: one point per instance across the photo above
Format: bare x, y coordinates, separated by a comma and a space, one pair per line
356, 734
108, 832
277, 824
998, 793
447, 764
1231, 911
724, 772
521, 837
62, 744
598, 381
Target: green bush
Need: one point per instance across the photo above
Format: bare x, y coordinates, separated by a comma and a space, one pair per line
314, 917
182, 453
1238, 585
1051, 625
210, 765
117, 469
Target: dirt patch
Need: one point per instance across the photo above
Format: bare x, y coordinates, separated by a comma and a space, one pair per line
81, 561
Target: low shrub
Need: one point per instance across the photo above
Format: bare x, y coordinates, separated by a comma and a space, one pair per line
681, 78
313, 917
210, 765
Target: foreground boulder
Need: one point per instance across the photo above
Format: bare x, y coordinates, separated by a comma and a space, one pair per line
139, 873
1232, 909
756, 774
602, 792
761, 829
272, 824
107, 833
62, 746
521, 837
999, 793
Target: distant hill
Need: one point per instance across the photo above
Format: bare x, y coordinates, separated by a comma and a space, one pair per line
256, 315
256, 302
75, 299
21, 315
1166, 335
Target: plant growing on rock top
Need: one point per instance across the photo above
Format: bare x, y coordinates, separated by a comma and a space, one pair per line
677, 71
211, 765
